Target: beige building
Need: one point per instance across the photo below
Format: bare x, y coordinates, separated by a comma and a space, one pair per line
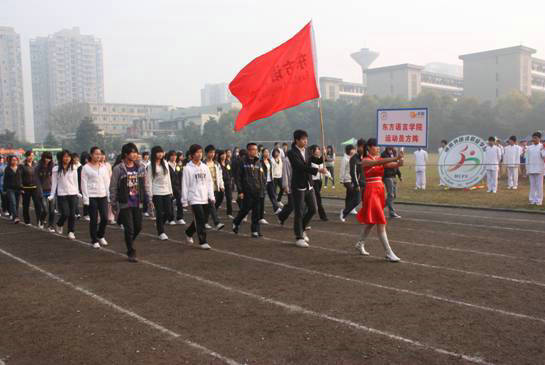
12, 108
115, 119
394, 81
67, 67
493, 74
332, 88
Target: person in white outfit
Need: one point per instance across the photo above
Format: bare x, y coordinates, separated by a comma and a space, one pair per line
492, 159
535, 168
511, 159
420, 161
440, 150
95, 185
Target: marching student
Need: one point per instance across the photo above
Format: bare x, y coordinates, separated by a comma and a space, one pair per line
330, 166
84, 158
64, 186
45, 173
159, 187
301, 185
524, 146
351, 199
511, 159
31, 189
286, 186
175, 173
440, 150
269, 181
535, 168
492, 159
197, 193
390, 182
277, 164
372, 211
127, 195
225, 167
357, 176
420, 162
145, 161
104, 161
250, 181
219, 186
95, 184
316, 152
12, 187
3, 196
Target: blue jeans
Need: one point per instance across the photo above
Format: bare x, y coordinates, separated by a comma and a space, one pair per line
13, 202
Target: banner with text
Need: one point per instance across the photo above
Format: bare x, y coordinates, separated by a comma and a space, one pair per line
402, 127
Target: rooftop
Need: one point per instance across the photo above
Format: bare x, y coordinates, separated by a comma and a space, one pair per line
497, 52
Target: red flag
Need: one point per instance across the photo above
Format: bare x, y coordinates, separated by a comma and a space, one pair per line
277, 80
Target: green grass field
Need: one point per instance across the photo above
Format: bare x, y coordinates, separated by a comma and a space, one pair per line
511, 199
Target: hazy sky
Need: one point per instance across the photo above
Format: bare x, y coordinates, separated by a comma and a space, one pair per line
164, 51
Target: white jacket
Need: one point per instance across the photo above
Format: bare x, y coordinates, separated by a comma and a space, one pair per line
511, 155
277, 168
197, 185
95, 183
160, 184
535, 159
492, 157
420, 160
64, 184
345, 170
219, 176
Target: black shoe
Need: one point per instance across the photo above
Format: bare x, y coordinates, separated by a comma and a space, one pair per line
235, 228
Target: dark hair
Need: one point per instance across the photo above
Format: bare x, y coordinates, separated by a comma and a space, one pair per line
313, 148
444, 141
219, 153
193, 149
154, 151
84, 157
275, 152
60, 157
209, 148
10, 158
491, 139
285, 144
248, 146
371, 142
118, 160
298, 134
348, 148
537, 134
42, 165
169, 154
513, 138
93, 149
361, 142
263, 152
145, 153
127, 149
28, 153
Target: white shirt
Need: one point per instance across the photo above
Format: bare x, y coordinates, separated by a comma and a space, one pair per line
160, 184
95, 182
511, 155
535, 159
277, 168
440, 150
420, 160
197, 185
345, 169
318, 176
492, 157
64, 184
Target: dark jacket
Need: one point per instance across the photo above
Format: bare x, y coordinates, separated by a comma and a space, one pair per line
226, 174
12, 179
302, 170
44, 176
390, 173
356, 171
119, 188
29, 176
176, 179
250, 177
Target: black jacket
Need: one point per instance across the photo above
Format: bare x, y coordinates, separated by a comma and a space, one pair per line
302, 170
44, 175
12, 179
356, 171
176, 179
389, 173
29, 176
250, 177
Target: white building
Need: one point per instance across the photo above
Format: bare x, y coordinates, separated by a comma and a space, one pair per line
216, 94
332, 88
12, 108
67, 67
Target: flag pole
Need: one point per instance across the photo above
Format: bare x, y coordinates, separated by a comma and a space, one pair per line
322, 125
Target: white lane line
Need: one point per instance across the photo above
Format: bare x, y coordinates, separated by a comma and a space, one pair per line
297, 309
120, 309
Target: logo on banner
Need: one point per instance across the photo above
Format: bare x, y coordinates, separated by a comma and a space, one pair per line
461, 162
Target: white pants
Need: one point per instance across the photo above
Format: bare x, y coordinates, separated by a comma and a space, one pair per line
421, 179
512, 177
492, 180
536, 188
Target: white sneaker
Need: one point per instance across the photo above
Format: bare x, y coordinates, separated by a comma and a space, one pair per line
206, 246
391, 256
230, 217
333, 187
146, 214
172, 223
180, 221
219, 226
245, 220
71, 236
354, 211
96, 245
255, 235
306, 237
301, 243
50, 229
103, 241
40, 225
280, 204
278, 211
163, 237
360, 247
87, 218
263, 221
189, 240
58, 229
207, 226
341, 217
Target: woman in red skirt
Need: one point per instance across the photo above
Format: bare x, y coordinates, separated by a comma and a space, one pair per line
373, 200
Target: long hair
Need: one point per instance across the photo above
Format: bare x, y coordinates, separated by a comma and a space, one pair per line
42, 165
371, 142
220, 153
154, 151
60, 157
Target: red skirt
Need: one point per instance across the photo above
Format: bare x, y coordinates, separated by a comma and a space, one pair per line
373, 203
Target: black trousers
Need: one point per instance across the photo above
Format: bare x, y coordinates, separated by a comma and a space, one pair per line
200, 216
36, 197
13, 203
163, 211
131, 219
302, 198
286, 211
352, 199
318, 194
48, 210
278, 185
4, 199
218, 195
67, 208
179, 208
250, 203
98, 207
272, 195
229, 198
212, 209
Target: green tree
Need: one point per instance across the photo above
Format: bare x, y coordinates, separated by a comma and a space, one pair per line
87, 136
51, 141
